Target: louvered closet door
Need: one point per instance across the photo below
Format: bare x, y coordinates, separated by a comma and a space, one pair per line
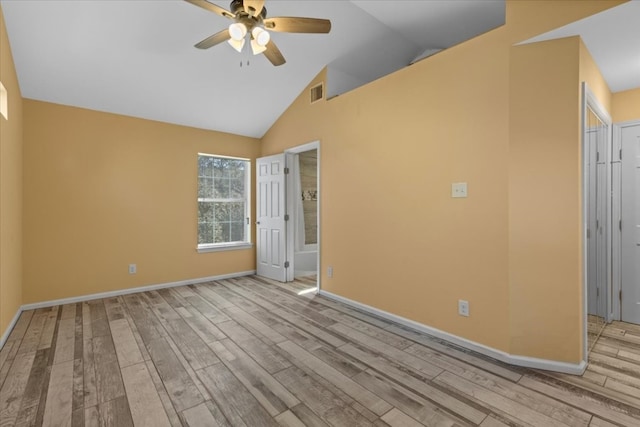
630, 201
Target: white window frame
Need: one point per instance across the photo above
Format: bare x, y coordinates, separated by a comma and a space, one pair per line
229, 246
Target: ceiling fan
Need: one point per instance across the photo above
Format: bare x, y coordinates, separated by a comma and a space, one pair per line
250, 18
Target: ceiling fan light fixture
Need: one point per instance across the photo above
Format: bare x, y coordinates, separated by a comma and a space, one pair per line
261, 36
236, 44
237, 31
256, 48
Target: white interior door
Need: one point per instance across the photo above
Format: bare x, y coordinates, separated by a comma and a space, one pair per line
595, 144
592, 259
270, 222
630, 201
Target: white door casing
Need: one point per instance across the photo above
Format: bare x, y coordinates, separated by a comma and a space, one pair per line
270, 217
630, 212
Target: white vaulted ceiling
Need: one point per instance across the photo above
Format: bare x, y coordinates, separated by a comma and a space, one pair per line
137, 57
613, 39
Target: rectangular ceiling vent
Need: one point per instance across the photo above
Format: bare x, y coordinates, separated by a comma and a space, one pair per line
317, 92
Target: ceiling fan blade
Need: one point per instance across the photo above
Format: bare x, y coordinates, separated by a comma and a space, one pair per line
215, 39
212, 8
292, 24
273, 54
253, 7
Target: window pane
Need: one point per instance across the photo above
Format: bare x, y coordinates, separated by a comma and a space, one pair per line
222, 233
221, 188
205, 212
205, 233
221, 212
238, 169
205, 188
236, 188
220, 168
205, 166
236, 211
237, 231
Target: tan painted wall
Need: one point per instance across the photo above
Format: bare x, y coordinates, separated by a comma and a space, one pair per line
626, 105
590, 73
397, 144
10, 189
103, 191
545, 171
544, 201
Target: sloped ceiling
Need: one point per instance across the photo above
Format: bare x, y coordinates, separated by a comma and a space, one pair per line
613, 39
137, 57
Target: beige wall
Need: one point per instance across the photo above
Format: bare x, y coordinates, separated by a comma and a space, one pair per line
513, 247
590, 73
10, 189
545, 208
545, 281
626, 105
102, 191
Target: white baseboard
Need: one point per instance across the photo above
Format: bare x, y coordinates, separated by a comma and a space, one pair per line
127, 291
12, 324
528, 362
112, 294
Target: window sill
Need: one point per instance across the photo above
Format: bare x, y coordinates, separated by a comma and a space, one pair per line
224, 247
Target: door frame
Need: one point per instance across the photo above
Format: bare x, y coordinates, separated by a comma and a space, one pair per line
616, 193
290, 200
589, 100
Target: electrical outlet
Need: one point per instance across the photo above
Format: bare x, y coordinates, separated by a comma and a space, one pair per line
133, 269
463, 308
459, 189
329, 271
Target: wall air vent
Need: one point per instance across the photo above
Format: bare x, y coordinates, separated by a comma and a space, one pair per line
317, 92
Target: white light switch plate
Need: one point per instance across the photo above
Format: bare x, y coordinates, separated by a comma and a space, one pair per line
463, 308
459, 189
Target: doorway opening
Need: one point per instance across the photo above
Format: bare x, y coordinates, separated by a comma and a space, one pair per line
304, 171
597, 217
303, 207
288, 216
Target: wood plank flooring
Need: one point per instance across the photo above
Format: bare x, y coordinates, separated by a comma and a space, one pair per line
252, 352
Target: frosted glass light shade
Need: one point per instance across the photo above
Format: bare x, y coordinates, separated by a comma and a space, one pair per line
261, 36
256, 48
237, 31
237, 44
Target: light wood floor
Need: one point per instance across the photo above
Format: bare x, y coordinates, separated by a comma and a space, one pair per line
250, 352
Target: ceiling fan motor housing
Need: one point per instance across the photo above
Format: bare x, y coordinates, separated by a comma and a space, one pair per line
237, 7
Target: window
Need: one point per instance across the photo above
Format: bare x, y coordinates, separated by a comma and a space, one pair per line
4, 102
224, 193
